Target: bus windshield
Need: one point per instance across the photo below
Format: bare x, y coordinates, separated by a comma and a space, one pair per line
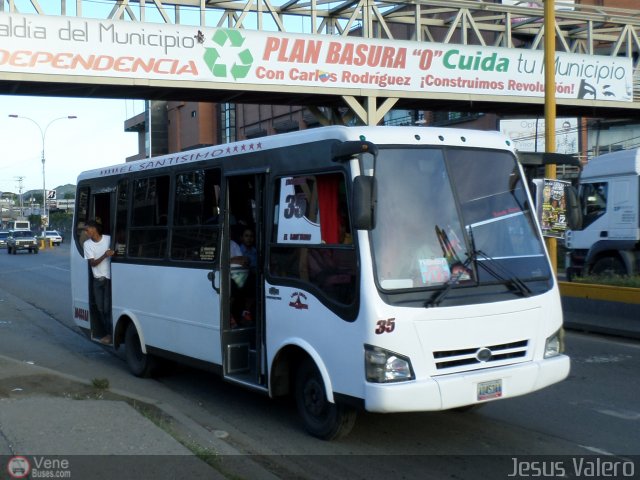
453, 215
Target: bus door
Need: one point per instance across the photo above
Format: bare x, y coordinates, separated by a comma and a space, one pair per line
101, 207
241, 281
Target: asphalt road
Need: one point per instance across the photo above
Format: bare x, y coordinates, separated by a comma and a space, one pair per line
595, 411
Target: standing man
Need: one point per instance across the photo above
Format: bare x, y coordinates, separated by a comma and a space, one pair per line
98, 253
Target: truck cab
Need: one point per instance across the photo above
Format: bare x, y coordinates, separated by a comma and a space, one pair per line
608, 239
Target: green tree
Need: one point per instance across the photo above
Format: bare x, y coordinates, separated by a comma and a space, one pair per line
61, 221
35, 221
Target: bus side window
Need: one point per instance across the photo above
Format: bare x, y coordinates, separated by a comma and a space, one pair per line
148, 233
82, 216
312, 236
195, 220
122, 207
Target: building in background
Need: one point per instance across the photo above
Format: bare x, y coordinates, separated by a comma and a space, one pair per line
174, 126
151, 125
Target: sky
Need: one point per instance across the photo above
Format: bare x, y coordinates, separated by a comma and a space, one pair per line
95, 139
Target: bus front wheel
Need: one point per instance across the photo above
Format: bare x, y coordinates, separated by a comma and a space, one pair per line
321, 418
139, 363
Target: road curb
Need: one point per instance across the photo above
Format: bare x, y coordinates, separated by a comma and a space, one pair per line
228, 460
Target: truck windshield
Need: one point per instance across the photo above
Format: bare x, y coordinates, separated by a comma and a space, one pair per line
441, 212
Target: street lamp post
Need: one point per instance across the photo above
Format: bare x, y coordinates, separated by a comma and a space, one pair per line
43, 134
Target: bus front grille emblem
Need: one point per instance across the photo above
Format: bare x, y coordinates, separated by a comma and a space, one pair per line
483, 355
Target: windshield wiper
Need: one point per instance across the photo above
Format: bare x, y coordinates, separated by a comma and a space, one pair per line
508, 279
490, 264
438, 296
448, 251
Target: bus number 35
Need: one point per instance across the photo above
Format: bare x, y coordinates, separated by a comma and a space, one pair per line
385, 326
296, 206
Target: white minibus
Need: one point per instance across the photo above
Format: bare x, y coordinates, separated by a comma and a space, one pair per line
394, 269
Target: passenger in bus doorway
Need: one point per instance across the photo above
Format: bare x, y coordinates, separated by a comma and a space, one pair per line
248, 247
98, 254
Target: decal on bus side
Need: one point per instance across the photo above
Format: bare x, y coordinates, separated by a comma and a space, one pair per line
385, 326
81, 314
298, 304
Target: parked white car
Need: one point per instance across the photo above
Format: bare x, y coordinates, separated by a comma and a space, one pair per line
55, 237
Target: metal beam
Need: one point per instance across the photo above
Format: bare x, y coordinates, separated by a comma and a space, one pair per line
584, 28
370, 113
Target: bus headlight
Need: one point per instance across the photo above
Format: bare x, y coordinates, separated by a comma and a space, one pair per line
554, 344
384, 366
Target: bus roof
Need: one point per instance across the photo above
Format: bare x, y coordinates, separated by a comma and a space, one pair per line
623, 162
378, 135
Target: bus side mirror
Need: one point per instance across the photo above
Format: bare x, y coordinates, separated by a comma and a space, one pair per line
363, 202
574, 210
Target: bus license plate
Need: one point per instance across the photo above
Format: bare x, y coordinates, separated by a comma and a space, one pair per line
490, 389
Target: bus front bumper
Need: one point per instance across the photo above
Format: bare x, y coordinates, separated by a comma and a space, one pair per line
462, 389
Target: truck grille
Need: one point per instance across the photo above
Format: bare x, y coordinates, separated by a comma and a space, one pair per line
479, 355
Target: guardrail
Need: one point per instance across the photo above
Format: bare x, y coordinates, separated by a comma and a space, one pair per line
607, 293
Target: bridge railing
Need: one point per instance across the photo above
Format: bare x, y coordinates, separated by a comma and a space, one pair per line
580, 28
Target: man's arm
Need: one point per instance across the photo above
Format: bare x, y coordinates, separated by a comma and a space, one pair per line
94, 262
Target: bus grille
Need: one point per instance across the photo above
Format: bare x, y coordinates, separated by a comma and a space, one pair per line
480, 355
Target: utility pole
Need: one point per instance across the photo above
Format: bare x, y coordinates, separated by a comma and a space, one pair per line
550, 106
43, 136
20, 187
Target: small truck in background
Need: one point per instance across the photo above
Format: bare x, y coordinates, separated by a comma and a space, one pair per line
605, 240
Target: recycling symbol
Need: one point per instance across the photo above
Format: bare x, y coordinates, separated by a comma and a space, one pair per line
231, 40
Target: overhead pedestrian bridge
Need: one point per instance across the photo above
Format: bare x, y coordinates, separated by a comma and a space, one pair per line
367, 55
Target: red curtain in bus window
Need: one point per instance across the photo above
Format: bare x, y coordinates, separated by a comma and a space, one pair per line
328, 189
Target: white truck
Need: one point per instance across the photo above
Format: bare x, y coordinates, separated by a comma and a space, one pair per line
607, 239
20, 224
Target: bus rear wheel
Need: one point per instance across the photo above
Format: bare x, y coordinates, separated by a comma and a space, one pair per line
321, 418
140, 364
609, 266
